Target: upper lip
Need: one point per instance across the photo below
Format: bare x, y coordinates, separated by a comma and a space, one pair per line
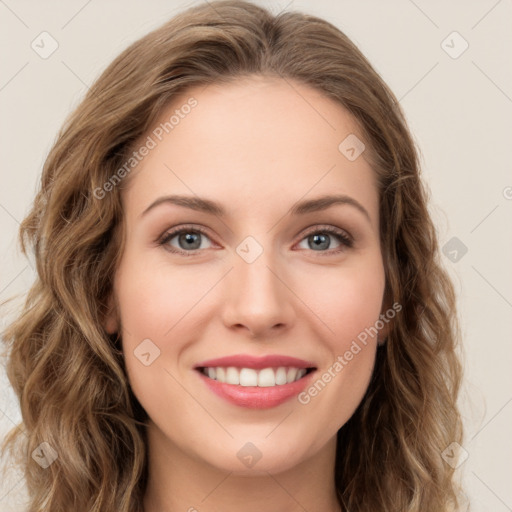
257, 363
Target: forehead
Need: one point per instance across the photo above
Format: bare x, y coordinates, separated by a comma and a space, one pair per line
256, 141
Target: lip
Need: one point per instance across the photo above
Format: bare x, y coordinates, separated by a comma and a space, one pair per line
254, 397
256, 363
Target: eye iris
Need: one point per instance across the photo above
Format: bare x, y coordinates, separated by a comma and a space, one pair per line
190, 239
322, 239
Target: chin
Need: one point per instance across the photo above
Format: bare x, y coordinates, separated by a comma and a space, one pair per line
254, 456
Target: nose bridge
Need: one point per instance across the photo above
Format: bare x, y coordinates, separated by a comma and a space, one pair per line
257, 297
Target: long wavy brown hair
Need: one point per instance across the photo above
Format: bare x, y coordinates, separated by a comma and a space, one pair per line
69, 375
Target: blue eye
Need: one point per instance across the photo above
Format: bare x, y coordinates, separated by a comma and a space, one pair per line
321, 239
189, 240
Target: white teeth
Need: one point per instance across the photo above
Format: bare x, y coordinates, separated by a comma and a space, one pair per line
280, 376
248, 377
266, 377
232, 376
291, 374
221, 374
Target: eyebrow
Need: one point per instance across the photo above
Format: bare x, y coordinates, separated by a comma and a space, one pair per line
300, 208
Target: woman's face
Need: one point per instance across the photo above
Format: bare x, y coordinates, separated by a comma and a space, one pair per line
278, 274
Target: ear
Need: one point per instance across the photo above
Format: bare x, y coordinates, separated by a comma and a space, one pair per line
110, 320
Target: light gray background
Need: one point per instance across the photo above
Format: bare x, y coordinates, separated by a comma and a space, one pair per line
459, 109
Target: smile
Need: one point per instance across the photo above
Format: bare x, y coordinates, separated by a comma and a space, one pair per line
263, 378
256, 382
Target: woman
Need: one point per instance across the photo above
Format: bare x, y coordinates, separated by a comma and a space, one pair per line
239, 303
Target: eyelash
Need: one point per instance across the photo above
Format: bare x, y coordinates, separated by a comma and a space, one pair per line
344, 239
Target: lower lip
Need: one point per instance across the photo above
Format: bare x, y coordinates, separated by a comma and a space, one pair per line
254, 397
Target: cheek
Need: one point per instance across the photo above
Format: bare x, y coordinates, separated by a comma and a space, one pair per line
153, 302
346, 300
153, 299
349, 307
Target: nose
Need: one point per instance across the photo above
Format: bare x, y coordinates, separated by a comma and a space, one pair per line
258, 299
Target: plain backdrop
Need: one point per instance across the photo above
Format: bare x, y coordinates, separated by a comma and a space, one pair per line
449, 64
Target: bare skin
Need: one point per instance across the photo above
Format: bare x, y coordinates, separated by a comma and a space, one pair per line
257, 147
